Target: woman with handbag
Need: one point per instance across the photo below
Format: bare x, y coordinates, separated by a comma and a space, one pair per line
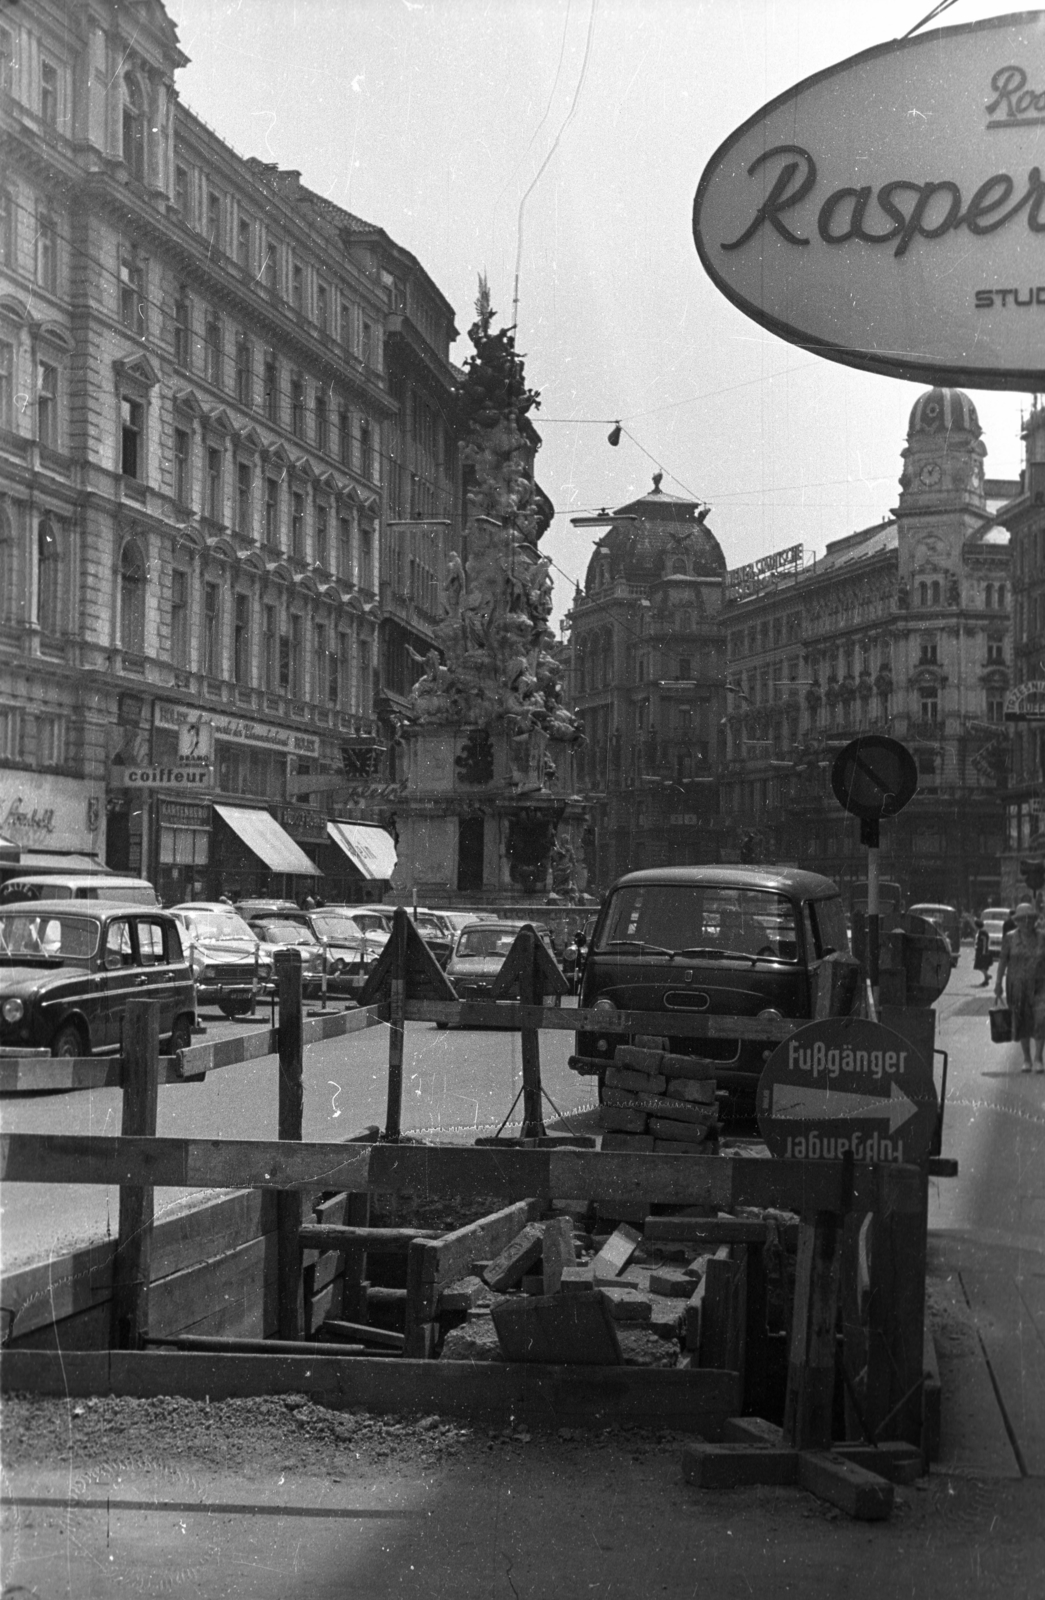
1022, 971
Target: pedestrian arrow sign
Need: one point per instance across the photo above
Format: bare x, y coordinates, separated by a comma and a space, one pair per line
845, 1086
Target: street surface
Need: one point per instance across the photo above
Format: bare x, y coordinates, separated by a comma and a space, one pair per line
458, 1084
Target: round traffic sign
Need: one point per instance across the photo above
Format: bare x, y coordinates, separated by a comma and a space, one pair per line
874, 776
847, 1085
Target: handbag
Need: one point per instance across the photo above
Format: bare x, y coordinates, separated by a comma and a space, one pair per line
1001, 1024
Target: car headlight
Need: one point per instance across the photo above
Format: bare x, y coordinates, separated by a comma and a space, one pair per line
12, 1010
602, 1004
771, 1014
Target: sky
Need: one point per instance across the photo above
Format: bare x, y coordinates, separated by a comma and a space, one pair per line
562, 141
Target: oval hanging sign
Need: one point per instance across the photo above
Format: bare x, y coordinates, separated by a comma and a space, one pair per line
889, 212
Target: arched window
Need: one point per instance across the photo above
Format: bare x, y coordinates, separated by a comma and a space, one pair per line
49, 574
133, 126
936, 593
1001, 597
923, 594
132, 600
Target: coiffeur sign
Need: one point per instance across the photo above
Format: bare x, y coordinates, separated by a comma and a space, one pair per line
889, 212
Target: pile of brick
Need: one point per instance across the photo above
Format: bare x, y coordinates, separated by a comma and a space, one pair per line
655, 1100
550, 1297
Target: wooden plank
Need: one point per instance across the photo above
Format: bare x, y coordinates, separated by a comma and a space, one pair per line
492, 1392
711, 1230
809, 1401
860, 1494
227, 1288
676, 1024
738, 1466
377, 1241
723, 1313
132, 1261
290, 1203
364, 1334
182, 1163
892, 1402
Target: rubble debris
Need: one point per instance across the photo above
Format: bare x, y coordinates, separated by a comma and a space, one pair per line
616, 1253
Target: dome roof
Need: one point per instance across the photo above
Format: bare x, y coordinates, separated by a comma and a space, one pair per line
943, 410
659, 525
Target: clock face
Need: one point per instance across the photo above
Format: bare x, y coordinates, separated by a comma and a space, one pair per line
930, 475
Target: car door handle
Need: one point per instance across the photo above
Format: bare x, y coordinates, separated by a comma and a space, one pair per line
141, 982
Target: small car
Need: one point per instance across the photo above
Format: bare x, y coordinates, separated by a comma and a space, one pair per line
733, 941
79, 886
479, 954
281, 933
231, 965
68, 969
944, 918
350, 952
994, 917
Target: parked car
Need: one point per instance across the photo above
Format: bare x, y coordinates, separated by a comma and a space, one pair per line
78, 886
946, 919
283, 933
249, 909
733, 941
378, 919
231, 966
351, 953
994, 918
67, 972
479, 954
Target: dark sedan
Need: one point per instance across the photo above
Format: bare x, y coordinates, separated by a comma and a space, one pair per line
68, 968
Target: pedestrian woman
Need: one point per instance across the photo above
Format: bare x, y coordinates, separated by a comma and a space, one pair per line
982, 960
1022, 970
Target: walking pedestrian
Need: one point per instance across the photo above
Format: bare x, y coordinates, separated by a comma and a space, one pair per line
982, 960
1021, 969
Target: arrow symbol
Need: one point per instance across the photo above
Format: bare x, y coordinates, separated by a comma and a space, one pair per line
802, 1103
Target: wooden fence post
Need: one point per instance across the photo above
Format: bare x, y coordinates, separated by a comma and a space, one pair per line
396, 1028
809, 1402
290, 1202
129, 1317
896, 1303
531, 993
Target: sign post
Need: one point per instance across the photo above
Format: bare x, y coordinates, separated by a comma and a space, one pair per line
872, 778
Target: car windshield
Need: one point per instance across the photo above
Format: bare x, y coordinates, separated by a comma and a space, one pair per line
699, 919
486, 941
217, 927
334, 926
71, 940
285, 933
430, 925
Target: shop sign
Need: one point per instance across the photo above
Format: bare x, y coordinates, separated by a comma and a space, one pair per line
183, 814
886, 212
38, 813
303, 823
162, 777
1025, 702
239, 730
750, 579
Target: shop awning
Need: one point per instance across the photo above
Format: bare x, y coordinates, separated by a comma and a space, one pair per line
369, 848
261, 833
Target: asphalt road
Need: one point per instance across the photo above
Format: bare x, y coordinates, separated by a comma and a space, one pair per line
456, 1084
459, 1084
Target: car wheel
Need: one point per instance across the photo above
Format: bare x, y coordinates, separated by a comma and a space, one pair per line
181, 1034
69, 1041
442, 1025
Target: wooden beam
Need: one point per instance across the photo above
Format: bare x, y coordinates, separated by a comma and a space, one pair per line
680, 1024
378, 1241
492, 1392
132, 1261
290, 1203
811, 1361
182, 1163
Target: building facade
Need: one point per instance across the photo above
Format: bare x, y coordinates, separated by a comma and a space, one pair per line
646, 683
903, 629
1021, 764
220, 399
